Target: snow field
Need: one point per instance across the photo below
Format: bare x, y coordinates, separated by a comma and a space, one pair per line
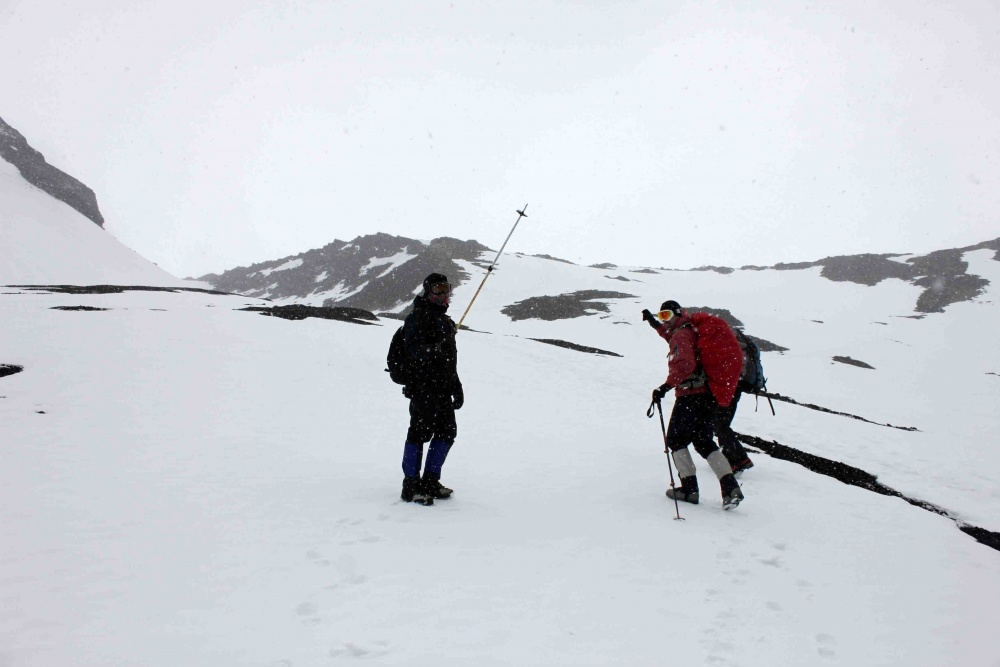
211, 487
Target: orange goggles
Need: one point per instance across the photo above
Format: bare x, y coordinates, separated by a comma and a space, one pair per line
440, 288
665, 315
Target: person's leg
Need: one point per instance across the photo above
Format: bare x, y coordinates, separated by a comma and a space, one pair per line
730, 445
703, 412
680, 433
421, 413
445, 430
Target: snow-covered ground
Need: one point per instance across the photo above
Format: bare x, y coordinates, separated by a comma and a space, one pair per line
43, 240
187, 484
182, 483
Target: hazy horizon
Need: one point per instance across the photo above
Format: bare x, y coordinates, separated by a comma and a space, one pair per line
224, 135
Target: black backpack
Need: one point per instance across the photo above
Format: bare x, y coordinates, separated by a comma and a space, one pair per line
395, 362
752, 378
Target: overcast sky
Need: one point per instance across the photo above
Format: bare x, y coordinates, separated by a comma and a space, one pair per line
225, 132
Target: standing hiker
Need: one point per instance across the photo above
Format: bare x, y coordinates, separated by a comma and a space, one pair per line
696, 390
434, 390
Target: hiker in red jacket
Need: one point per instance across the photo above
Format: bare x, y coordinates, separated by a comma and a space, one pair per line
695, 391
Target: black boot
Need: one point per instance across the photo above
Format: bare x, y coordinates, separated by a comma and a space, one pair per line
688, 492
731, 493
435, 489
744, 465
414, 492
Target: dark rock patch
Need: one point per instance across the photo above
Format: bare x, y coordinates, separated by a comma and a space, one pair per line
766, 345
865, 480
818, 321
942, 273
299, 312
818, 408
607, 266
563, 306
574, 346
9, 369
648, 271
865, 269
112, 289
31, 164
621, 278
554, 259
941, 291
852, 362
981, 535
85, 308
724, 270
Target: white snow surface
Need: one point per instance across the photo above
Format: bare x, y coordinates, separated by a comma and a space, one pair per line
387, 264
290, 264
183, 483
44, 241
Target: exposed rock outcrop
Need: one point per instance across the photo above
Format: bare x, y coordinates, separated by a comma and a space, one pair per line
563, 306
377, 272
14, 148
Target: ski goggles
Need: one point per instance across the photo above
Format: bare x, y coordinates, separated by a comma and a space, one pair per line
440, 288
665, 315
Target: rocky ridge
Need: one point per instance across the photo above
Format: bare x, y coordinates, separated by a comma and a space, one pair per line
14, 148
377, 272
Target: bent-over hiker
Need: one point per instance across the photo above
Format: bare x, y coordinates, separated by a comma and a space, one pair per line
695, 406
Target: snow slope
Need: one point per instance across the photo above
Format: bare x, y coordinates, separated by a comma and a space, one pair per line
183, 483
187, 484
44, 241
937, 373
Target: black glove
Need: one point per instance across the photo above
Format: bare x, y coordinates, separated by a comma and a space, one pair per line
407, 392
458, 398
660, 392
651, 318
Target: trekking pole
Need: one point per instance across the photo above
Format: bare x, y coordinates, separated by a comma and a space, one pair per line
757, 395
520, 214
666, 450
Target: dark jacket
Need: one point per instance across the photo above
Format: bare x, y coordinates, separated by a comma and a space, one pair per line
430, 349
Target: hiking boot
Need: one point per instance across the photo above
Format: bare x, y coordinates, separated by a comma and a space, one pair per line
687, 493
732, 495
734, 498
435, 489
414, 492
739, 468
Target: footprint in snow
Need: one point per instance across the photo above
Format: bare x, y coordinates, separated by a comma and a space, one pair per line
825, 645
317, 558
377, 649
309, 613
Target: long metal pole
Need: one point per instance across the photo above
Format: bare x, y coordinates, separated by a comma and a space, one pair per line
520, 214
666, 450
